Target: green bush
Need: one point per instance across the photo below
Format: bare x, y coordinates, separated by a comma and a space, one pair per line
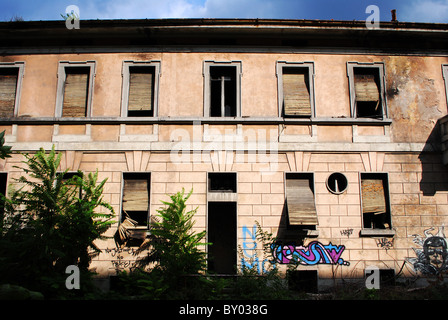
50, 223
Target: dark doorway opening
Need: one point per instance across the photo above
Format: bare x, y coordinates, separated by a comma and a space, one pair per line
222, 236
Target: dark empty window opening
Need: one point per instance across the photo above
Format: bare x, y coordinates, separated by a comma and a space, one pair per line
337, 183
8, 89
222, 252
76, 91
223, 91
296, 92
222, 182
135, 207
141, 91
368, 102
375, 201
303, 280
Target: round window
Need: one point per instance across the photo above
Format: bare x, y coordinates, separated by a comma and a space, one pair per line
337, 183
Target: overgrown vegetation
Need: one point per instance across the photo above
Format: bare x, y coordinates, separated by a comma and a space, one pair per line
50, 223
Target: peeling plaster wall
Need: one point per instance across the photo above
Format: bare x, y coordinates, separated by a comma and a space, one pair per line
415, 95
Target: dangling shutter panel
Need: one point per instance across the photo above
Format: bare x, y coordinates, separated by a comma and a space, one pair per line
75, 95
296, 97
366, 88
373, 197
300, 201
135, 195
140, 91
8, 86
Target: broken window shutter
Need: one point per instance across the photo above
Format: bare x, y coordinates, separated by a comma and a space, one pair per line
75, 95
373, 196
8, 85
135, 195
140, 91
300, 201
296, 97
366, 88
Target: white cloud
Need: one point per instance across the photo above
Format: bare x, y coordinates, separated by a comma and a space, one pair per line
141, 9
425, 11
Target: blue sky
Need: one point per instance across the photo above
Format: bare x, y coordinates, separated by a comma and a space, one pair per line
407, 10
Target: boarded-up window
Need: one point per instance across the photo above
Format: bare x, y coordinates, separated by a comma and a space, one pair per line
135, 202
141, 91
296, 92
375, 202
300, 199
8, 89
76, 92
367, 92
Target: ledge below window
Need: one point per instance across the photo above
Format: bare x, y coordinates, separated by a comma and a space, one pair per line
377, 233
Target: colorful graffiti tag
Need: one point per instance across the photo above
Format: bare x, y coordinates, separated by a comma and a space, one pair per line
250, 260
432, 258
314, 253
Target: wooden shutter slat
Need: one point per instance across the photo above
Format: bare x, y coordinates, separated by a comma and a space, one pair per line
366, 88
8, 87
300, 202
140, 91
296, 97
135, 195
75, 95
373, 196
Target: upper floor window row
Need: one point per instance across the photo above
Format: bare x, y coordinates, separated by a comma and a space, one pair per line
222, 89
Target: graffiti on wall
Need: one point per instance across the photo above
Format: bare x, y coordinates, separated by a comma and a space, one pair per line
314, 253
432, 256
250, 259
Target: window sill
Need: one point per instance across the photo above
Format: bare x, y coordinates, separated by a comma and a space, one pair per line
377, 233
191, 120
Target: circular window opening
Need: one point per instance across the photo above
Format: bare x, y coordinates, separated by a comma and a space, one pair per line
337, 183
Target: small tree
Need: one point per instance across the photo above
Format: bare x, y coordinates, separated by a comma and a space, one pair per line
50, 223
174, 246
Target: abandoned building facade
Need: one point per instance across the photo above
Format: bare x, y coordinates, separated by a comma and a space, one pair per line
326, 134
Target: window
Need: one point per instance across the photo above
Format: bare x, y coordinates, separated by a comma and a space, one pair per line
140, 88
75, 86
301, 208
445, 76
135, 199
375, 201
222, 89
11, 75
337, 183
222, 182
295, 89
303, 280
367, 98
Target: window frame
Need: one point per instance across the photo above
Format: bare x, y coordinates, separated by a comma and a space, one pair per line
445, 77
61, 84
380, 66
305, 175
376, 231
309, 65
125, 73
20, 65
148, 179
207, 86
